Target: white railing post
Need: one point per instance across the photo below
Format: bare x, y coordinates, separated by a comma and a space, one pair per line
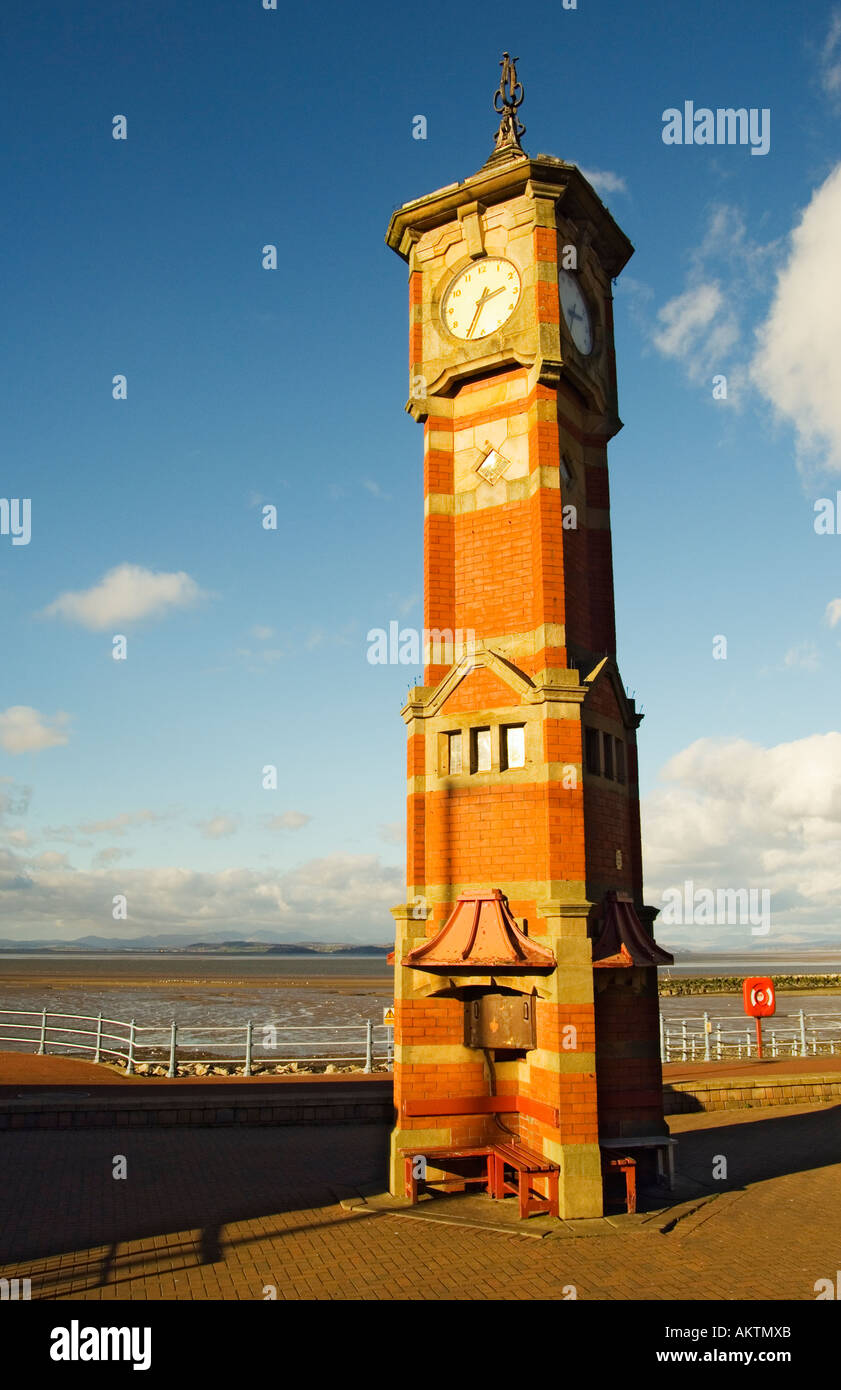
249, 1037
789, 1040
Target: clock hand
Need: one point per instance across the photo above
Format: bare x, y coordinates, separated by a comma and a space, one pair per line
480, 304
573, 313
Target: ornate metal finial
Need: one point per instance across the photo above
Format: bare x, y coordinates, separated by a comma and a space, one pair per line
507, 98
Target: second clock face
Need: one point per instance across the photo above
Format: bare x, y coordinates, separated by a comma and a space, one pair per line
575, 311
481, 298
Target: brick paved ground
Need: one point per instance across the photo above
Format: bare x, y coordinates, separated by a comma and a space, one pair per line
219, 1214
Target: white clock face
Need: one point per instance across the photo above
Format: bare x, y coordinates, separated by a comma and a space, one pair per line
481, 298
576, 313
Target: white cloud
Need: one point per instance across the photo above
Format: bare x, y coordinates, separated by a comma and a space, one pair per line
375, 489
833, 612
14, 798
830, 58
262, 634
124, 594
336, 898
604, 181
803, 657
393, 832
797, 364
702, 326
257, 662
20, 839
49, 859
289, 820
109, 856
25, 730
218, 826
731, 814
117, 825
696, 325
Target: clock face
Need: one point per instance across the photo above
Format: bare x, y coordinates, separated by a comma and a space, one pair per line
481, 298
576, 313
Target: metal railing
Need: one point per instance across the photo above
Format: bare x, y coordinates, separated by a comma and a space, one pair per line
371, 1042
700, 1038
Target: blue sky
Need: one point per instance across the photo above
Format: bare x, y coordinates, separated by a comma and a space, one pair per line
249, 387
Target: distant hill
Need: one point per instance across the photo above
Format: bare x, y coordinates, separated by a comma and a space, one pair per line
271, 944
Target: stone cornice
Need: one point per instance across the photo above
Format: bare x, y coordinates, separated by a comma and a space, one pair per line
540, 178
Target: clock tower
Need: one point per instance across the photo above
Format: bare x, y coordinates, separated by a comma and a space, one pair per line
525, 968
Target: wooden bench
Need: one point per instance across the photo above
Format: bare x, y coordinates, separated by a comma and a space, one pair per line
627, 1168
663, 1145
439, 1158
526, 1165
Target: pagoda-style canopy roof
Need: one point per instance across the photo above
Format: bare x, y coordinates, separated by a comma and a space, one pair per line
623, 940
481, 935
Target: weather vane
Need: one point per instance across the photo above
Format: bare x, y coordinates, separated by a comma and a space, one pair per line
507, 98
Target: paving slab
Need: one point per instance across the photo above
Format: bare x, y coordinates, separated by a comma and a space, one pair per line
228, 1214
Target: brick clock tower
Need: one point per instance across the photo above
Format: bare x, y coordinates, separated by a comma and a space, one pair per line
525, 977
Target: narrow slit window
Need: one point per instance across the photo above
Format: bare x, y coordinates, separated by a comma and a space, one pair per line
592, 755
454, 764
608, 756
480, 750
620, 760
513, 746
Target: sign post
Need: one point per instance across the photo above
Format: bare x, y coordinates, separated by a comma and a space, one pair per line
388, 1021
760, 1001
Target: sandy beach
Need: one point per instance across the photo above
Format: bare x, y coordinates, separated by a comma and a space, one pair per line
330, 973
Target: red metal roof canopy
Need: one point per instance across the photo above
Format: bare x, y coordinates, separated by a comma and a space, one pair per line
479, 935
623, 940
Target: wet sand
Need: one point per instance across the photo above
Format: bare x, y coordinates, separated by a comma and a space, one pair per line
362, 985
329, 973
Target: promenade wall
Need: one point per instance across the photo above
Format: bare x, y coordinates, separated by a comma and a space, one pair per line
331, 1100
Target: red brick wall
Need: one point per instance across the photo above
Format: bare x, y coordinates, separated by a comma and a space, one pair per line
484, 835
492, 569
628, 1067
608, 822
481, 690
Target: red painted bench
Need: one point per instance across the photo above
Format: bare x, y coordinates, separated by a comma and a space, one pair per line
627, 1167
440, 1158
528, 1168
